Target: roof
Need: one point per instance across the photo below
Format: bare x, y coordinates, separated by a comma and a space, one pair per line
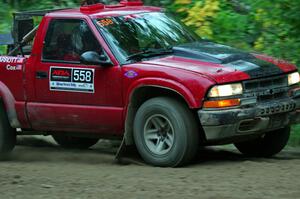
104, 11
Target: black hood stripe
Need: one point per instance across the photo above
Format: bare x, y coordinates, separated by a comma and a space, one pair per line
228, 57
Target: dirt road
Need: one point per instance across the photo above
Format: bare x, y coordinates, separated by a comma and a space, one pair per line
40, 169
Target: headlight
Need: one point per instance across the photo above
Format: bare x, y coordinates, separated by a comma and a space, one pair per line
293, 78
226, 90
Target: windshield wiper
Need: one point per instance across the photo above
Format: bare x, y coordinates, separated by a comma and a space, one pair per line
150, 52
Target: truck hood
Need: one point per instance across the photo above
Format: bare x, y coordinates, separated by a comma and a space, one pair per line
221, 63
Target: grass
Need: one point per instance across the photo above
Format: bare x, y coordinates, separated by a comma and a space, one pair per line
295, 136
2, 50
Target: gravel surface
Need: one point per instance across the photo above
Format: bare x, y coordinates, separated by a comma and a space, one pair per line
40, 169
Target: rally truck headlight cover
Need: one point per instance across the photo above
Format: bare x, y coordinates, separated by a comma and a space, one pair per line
226, 90
293, 78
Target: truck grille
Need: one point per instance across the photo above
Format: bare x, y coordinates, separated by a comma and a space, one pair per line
266, 89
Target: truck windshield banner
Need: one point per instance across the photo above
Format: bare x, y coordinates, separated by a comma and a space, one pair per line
72, 79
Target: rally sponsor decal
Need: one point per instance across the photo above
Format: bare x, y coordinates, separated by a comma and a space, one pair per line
105, 22
72, 79
10, 60
12, 68
131, 74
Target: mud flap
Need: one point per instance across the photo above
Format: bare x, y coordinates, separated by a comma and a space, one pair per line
121, 151
128, 155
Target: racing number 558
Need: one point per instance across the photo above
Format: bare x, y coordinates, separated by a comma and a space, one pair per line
82, 75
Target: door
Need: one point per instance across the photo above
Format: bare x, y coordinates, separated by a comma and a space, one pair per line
69, 95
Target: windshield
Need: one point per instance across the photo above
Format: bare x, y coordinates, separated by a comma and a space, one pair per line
135, 33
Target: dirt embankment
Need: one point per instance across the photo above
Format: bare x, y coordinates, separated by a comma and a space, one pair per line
40, 169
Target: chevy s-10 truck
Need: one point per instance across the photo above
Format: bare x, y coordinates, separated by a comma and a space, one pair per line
134, 72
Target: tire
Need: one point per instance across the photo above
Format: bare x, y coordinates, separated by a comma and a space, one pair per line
71, 142
166, 132
7, 134
266, 146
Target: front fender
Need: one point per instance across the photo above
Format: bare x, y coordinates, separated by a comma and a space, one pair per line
177, 87
191, 89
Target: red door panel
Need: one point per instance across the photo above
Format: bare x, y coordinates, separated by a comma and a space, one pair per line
70, 96
76, 118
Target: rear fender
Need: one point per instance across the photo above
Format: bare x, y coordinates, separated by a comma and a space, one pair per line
9, 103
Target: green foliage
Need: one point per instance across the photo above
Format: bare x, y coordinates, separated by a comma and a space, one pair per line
271, 27
295, 136
4, 23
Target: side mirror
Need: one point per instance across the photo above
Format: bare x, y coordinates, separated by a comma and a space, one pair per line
93, 58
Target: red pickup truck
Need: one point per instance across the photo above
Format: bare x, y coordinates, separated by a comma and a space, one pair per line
135, 72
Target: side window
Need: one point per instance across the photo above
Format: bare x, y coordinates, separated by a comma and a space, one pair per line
66, 40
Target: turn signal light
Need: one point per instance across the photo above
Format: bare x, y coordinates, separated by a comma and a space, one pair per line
222, 103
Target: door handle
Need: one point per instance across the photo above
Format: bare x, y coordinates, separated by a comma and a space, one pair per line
41, 75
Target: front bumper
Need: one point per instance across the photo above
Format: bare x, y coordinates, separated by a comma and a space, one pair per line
250, 119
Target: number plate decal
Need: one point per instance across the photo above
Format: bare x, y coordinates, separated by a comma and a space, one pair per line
277, 108
72, 79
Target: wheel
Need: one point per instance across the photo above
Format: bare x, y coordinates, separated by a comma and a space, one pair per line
74, 142
165, 132
265, 146
7, 134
